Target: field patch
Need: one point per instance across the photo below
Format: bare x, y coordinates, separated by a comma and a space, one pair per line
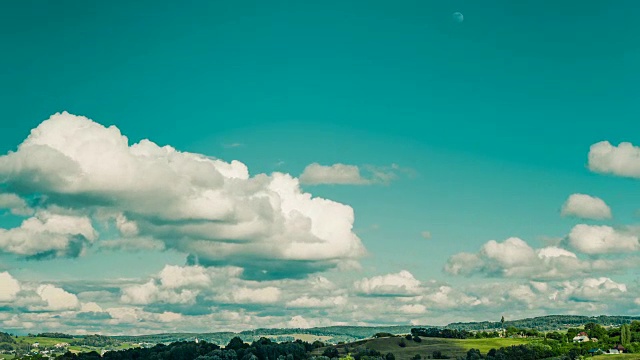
425, 348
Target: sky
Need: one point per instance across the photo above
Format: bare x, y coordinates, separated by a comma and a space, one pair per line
213, 166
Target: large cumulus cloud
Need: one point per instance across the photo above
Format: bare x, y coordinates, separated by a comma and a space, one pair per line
199, 205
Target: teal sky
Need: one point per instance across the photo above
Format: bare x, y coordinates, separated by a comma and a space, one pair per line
485, 125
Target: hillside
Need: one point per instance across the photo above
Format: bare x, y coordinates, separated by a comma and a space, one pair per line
336, 334
425, 348
545, 323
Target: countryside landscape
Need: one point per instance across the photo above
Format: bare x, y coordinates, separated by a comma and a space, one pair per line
559, 337
319, 179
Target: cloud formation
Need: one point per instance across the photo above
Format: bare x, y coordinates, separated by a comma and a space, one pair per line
621, 160
602, 239
316, 174
10, 287
195, 204
47, 235
516, 259
402, 283
586, 207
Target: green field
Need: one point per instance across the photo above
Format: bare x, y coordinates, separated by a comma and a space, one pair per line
46, 342
451, 347
621, 356
49, 342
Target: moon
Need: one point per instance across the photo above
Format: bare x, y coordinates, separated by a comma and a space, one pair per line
457, 17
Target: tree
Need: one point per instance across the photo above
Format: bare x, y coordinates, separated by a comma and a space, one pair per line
331, 352
625, 335
390, 356
236, 343
474, 354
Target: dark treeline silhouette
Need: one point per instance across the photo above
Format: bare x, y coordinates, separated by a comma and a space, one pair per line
55, 335
262, 349
442, 333
516, 352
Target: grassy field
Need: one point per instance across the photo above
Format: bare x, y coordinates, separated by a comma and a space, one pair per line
621, 356
44, 341
451, 347
49, 342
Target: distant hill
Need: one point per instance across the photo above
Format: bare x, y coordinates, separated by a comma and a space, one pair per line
336, 334
550, 322
332, 334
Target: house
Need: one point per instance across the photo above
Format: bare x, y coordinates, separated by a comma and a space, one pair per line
595, 351
620, 348
581, 337
613, 351
594, 339
35, 344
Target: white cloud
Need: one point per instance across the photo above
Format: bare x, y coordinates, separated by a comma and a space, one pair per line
554, 252
172, 277
191, 202
515, 258
125, 226
586, 207
512, 251
57, 298
426, 235
316, 174
593, 289
266, 295
413, 309
299, 322
60, 235
600, 239
621, 160
15, 204
10, 287
402, 283
314, 302
168, 317
445, 297
90, 307
150, 292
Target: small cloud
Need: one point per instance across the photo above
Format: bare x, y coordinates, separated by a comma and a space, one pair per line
621, 160
316, 174
426, 234
586, 207
15, 204
343, 174
232, 145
